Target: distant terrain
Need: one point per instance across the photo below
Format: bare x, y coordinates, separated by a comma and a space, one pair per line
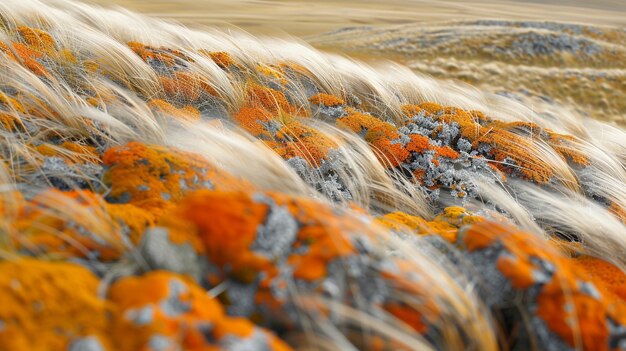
551, 55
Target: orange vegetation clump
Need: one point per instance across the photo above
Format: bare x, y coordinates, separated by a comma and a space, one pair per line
71, 152
165, 56
37, 39
155, 177
605, 275
221, 58
568, 301
186, 87
380, 135
172, 309
270, 99
445, 225
50, 306
295, 139
326, 100
187, 113
68, 224
254, 120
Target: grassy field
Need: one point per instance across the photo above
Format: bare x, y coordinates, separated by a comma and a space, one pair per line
550, 67
305, 18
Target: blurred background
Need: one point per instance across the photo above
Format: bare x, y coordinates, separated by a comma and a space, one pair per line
553, 55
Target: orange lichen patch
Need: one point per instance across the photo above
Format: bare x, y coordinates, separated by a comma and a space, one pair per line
230, 229
171, 306
68, 224
295, 139
221, 58
273, 72
186, 87
445, 225
618, 211
569, 303
232, 226
187, 113
522, 246
167, 56
521, 150
446, 151
411, 110
11, 104
326, 100
47, 306
378, 134
400, 220
505, 144
418, 143
132, 219
408, 316
604, 275
37, 39
430, 107
27, 57
574, 316
458, 216
253, 120
561, 143
154, 177
71, 152
272, 100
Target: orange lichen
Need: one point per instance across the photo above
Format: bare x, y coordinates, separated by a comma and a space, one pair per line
221, 58
154, 177
131, 218
400, 220
37, 39
411, 110
326, 100
187, 113
228, 233
253, 120
197, 323
295, 139
69, 224
604, 274
568, 310
272, 100
378, 134
186, 87
28, 57
71, 152
445, 225
56, 302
